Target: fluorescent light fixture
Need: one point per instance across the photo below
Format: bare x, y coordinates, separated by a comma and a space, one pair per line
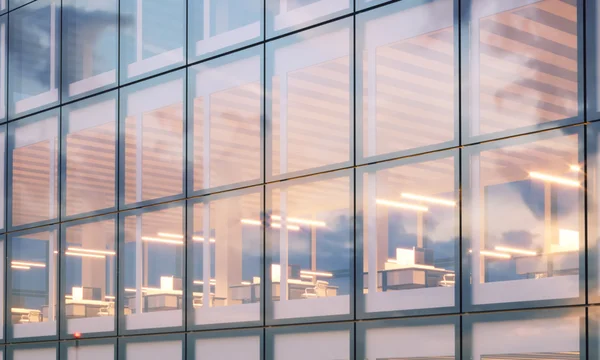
401, 205
129, 290
306, 276
301, 221
515, 251
316, 273
246, 283
171, 236
289, 227
72, 253
428, 199
201, 239
177, 236
250, 222
575, 168
200, 282
28, 263
493, 254
20, 267
110, 297
101, 252
554, 179
161, 240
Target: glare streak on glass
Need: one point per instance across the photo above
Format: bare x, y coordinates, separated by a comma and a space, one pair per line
287, 15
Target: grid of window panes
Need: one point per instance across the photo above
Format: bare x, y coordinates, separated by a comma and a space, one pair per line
293, 179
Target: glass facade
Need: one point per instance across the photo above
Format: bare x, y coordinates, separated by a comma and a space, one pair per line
293, 179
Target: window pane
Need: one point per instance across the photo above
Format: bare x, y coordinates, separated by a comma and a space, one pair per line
525, 335
89, 145
152, 37
89, 350
227, 120
33, 169
325, 343
230, 262
3, 66
407, 76
412, 339
226, 346
410, 233
152, 125
2, 175
309, 103
522, 65
524, 212
152, 260
89, 275
35, 352
287, 15
16, 3
32, 283
34, 55
152, 347
89, 46
310, 235
216, 26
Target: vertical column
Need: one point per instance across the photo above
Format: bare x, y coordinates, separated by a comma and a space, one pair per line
206, 19
283, 166
139, 34
228, 251
206, 258
53, 38
52, 236
547, 217
93, 271
140, 259
419, 229
371, 184
477, 208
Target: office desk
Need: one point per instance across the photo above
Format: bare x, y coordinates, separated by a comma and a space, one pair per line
84, 308
252, 292
409, 277
558, 262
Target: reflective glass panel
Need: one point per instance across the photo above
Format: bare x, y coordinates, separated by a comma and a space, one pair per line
548, 334
410, 233
32, 283
226, 102
152, 268
152, 37
523, 201
34, 57
89, 276
219, 25
16, 3
89, 148
408, 339
2, 287
152, 140
287, 15
152, 347
33, 169
522, 65
89, 62
230, 261
33, 352
310, 244
323, 343
3, 64
309, 107
235, 345
406, 100
105, 349
3, 170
